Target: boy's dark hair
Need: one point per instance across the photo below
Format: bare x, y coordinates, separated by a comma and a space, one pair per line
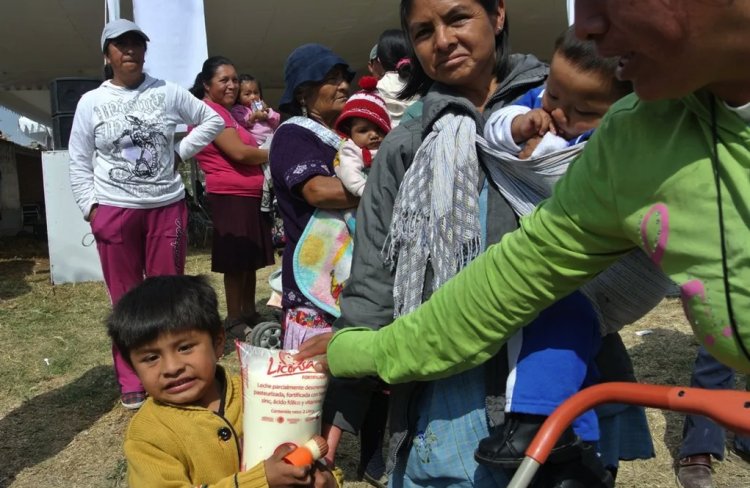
418, 82
583, 55
252, 78
163, 304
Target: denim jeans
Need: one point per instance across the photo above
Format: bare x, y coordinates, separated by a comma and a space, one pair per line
701, 435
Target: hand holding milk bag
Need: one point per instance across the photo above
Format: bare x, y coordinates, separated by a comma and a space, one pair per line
283, 400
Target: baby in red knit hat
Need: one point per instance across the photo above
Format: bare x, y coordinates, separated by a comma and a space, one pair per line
363, 123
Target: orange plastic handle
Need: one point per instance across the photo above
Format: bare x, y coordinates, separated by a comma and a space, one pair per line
301, 456
727, 407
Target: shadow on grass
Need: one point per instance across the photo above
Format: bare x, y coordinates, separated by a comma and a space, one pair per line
44, 425
23, 247
13, 283
18, 256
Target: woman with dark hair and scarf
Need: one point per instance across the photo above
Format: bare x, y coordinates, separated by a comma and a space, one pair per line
301, 159
460, 61
666, 172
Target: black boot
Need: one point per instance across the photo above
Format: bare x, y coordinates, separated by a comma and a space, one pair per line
506, 447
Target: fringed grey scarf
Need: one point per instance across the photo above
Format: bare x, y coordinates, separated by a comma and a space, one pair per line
436, 212
436, 221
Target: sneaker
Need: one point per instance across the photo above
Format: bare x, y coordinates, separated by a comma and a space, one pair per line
377, 482
373, 473
133, 400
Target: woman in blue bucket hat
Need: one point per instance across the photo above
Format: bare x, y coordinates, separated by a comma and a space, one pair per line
301, 158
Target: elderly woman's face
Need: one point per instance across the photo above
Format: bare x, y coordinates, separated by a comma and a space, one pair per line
667, 49
454, 40
223, 86
327, 99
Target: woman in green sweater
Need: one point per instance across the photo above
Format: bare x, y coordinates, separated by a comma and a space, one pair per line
681, 193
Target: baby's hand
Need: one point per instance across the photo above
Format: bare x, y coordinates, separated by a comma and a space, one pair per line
529, 147
535, 122
281, 474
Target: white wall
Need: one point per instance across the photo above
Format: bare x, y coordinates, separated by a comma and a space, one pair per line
72, 250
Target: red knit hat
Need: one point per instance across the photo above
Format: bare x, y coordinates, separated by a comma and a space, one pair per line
365, 104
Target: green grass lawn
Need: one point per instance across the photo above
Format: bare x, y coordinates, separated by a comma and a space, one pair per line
60, 419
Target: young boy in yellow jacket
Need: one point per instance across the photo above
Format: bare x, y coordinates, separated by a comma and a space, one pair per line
189, 431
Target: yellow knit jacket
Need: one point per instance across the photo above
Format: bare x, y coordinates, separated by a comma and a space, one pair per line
171, 446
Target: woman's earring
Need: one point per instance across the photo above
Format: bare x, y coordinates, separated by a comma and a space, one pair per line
304, 111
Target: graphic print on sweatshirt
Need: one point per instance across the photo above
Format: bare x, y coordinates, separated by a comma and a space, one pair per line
146, 141
139, 145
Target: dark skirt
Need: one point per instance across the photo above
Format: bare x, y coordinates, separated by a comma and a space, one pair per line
242, 234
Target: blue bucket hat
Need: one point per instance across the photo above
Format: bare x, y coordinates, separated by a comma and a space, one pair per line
309, 63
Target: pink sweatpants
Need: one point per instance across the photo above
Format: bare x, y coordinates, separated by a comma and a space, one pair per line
134, 244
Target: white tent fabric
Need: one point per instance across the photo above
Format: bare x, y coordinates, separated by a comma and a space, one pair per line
177, 29
41, 40
571, 11
112, 10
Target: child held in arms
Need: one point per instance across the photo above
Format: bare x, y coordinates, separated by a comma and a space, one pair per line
565, 111
252, 113
363, 123
189, 430
580, 89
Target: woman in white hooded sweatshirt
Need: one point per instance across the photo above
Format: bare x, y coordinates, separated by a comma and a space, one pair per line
123, 171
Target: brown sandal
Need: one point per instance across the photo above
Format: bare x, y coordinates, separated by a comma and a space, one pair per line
236, 328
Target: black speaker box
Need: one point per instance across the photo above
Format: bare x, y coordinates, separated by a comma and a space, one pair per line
61, 126
65, 92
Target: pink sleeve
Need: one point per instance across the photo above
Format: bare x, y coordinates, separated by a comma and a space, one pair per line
240, 113
273, 118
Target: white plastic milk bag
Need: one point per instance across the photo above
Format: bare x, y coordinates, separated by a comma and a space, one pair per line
283, 400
